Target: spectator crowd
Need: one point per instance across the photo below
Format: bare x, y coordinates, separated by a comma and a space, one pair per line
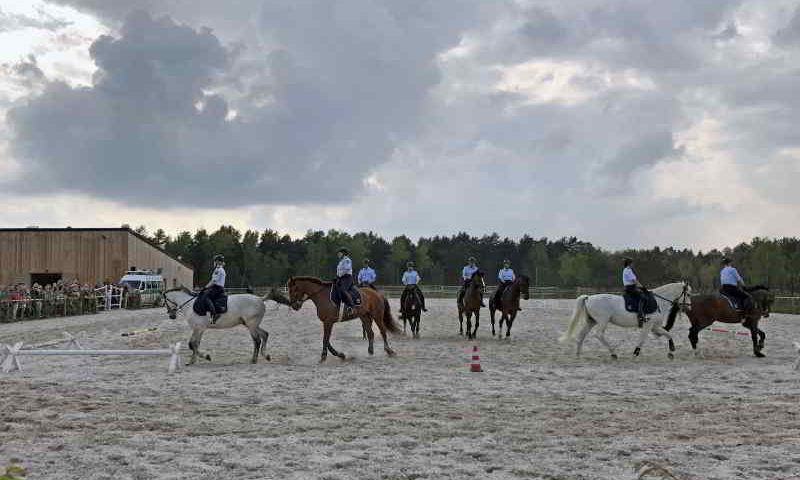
20, 302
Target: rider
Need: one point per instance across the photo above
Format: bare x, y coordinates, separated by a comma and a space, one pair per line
344, 278
215, 288
732, 284
506, 277
366, 276
634, 288
411, 280
466, 275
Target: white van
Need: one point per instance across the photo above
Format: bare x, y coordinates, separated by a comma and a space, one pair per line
149, 284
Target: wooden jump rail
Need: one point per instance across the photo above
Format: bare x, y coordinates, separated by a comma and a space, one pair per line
11, 363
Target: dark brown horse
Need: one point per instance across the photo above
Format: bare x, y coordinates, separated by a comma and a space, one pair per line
374, 308
707, 309
471, 304
411, 311
508, 303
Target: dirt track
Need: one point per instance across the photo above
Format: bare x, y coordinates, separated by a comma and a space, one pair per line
536, 412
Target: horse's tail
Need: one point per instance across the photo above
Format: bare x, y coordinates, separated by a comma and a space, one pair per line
577, 315
673, 314
388, 321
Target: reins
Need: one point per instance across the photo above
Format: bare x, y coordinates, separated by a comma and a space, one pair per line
676, 301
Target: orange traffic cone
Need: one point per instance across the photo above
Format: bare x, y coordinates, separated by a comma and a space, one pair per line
475, 366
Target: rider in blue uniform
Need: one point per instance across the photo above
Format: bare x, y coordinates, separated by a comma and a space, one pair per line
732, 284
411, 281
367, 275
633, 288
215, 288
344, 279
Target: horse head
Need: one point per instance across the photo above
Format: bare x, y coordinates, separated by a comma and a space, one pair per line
172, 303
299, 289
763, 298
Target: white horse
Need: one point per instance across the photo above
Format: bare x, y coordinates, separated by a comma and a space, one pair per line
604, 308
243, 309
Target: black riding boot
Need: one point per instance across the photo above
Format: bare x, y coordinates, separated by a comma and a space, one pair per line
422, 301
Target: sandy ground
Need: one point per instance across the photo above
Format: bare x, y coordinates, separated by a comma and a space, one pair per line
536, 412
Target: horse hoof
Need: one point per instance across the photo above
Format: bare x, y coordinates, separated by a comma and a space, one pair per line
613, 356
390, 352
322, 360
267, 358
670, 355
637, 352
760, 355
342, 356
371, 351
208, 357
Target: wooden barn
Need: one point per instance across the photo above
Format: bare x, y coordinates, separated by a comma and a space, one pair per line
91, 255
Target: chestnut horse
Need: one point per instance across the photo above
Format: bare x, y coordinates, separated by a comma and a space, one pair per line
509, 303
707, 309
471, 304
374, 308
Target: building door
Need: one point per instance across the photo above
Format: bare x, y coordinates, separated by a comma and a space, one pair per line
45, 278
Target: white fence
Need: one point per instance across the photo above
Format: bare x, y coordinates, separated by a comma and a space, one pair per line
10, 354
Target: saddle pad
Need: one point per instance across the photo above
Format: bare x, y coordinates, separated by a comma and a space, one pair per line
221, 304
632, 303
336, 297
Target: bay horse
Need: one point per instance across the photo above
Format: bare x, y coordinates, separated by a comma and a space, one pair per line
471, 304
374, 308
243, 309
508, 303
707, 309
604, 309
411, 311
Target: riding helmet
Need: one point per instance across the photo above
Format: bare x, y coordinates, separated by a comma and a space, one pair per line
219, 257
471, 259
627, 261
726, 261
367, 261
410, 264
343, 250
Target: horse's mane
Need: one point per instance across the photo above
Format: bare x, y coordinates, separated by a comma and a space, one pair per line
755, 288
308, 278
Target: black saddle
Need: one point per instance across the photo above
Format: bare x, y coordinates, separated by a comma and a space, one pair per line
220, 303
336, 296
632, 303
735, 304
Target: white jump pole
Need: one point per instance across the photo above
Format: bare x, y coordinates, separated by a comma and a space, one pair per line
797, 348
11, 362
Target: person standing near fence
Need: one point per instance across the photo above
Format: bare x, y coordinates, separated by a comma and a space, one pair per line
36, 300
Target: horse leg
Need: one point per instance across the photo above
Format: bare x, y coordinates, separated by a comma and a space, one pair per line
460, 321
510, 321
491, 318
469, 325
642, 338
582, 335
264, 337
754, 335
761, 337
601, 335
366, 327
326, 335
256, 345
194, 345
661, 332
477, 323
417, 318
386, 347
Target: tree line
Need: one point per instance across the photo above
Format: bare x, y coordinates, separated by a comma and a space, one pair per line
268, 258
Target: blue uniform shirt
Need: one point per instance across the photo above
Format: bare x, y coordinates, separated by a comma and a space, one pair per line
345, 267
466, 274
411, 277
366, 275
506, 275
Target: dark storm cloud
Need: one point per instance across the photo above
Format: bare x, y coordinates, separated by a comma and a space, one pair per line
340, 96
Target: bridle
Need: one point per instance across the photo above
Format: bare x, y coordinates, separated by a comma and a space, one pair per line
178, 309
682, 300
307, 295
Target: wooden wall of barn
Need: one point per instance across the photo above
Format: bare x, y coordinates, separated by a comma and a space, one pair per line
88, 255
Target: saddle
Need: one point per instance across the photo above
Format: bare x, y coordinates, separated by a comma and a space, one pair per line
632, 303
734, 304
336, 296
220, 303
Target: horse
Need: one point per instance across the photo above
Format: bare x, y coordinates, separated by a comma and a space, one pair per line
707, 309
243, 309
471, 304
374, 308
411, 311
509, 303
603, 309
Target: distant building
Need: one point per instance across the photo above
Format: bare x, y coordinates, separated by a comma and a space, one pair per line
45, 255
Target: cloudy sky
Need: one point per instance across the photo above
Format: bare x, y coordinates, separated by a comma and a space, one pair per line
627, 123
